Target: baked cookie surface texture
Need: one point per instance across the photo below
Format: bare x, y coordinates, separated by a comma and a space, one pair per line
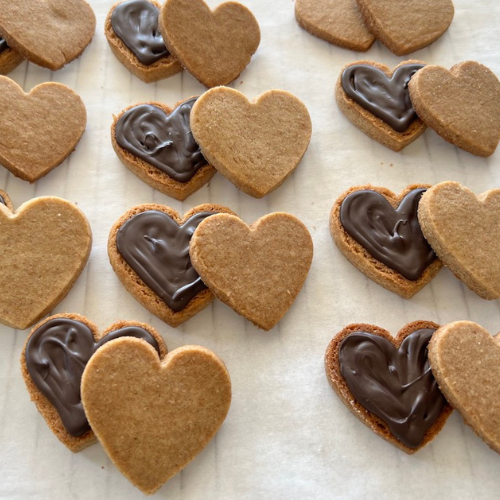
48, 33
404, 27
257, 270
379, 233
387, 382
214, 46
48, 122
9, 58
462, 105
464, 231
255, 144
45, 246
131, 29
52, 364
151, 415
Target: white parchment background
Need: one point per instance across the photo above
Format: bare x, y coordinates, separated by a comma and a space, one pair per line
287, 435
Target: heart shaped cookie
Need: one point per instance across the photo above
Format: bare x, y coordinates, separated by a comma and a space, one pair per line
214, 46
464, 231
465, 360
377, 101
379, 233
154, 416
148, 248
9, 58
45, 246
156, 144
255, 144
336, 21
404, 27
48, 33
40, 129
462, 105
52, 363
387, 382
131, 29
257, 270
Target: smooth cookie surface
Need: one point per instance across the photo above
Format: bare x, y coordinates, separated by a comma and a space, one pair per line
464, 231
255, 144
214, 46
39, 129
153, 416
257, 270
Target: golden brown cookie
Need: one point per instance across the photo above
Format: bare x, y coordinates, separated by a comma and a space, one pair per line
377, 101
257, 270
255, 144
151, 415
155, 142
5, 200
336, 21
52, 363
462, 105
9, 58
148, 248
465, 360
45, 246
214, 46
379, 233
131, 29
464, 231
404, 27
39, 129
48, 33
387, 382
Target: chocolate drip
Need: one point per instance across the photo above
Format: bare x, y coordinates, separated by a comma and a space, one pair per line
56, 356
392, 236
388, 99
136, 24
157, 249
3, 44
397, 385
165, 142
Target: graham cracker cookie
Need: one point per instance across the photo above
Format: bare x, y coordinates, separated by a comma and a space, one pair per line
465, 360
387, 382
131, 28
48, 33
376, 99
40, 129
155, 142
462, 105
464, 231
257, 270
148, 248
336, 21
404, 27
379, 233
255, 144
45, 246
214, 46
151, 415
52, 363
5, 200
9, 58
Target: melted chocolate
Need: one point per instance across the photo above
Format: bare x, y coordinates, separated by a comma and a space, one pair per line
136, 24
56, 356
397, 385
388, 99
3, 44
165, 142
157, 249
392, 236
